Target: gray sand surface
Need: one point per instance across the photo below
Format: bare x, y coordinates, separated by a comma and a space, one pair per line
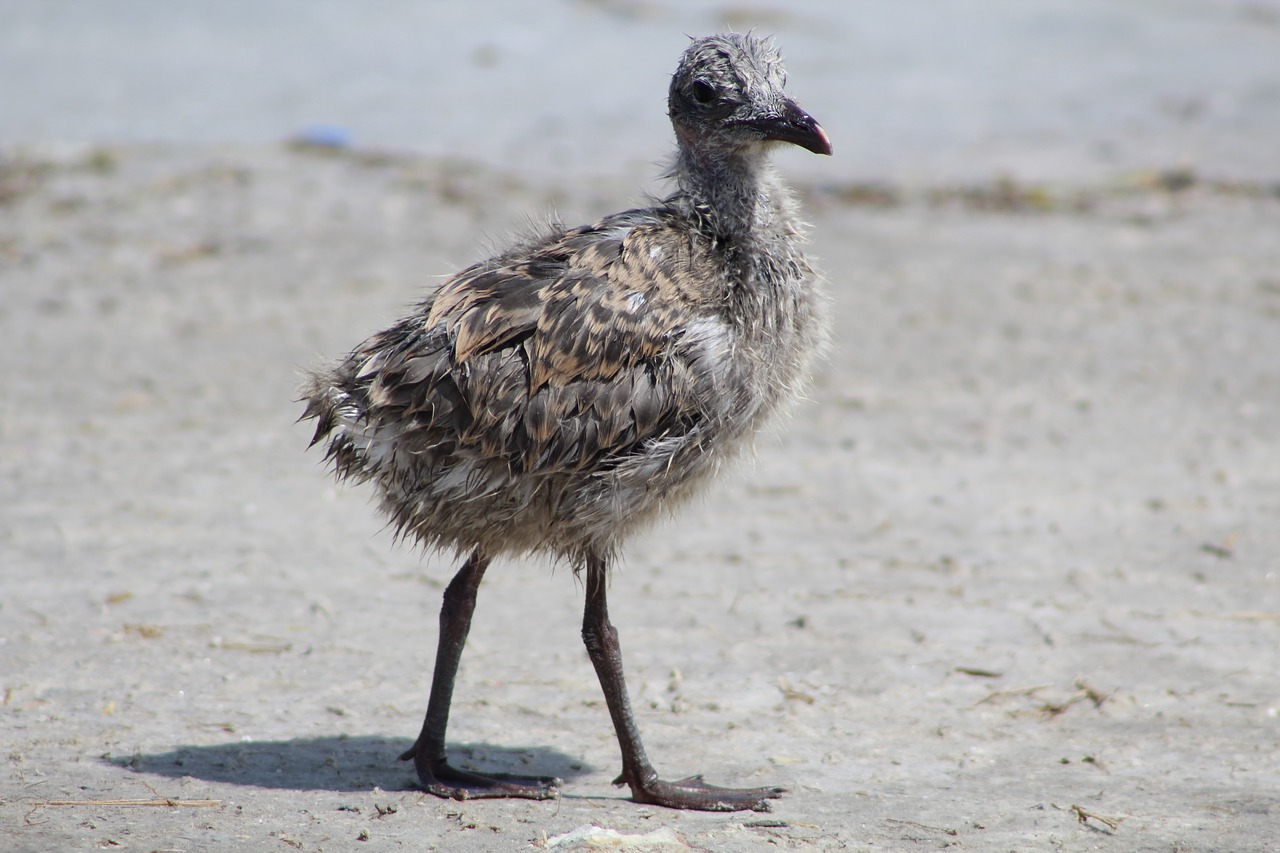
1009, 580
1018, 554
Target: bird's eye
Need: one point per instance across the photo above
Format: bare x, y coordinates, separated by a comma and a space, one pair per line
703, 92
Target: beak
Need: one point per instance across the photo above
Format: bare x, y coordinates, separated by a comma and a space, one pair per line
793, 125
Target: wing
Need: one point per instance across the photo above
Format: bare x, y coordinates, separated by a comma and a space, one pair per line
577, 354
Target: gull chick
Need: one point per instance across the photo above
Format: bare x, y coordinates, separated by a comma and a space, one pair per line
557, 397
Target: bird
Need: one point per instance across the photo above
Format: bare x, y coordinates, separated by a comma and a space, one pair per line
559, 396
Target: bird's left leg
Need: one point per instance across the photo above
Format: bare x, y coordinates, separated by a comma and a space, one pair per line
601, 639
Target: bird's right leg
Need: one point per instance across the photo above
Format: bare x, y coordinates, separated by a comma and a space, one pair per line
427, 753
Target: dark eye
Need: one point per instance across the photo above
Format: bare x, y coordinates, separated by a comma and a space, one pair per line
704, 93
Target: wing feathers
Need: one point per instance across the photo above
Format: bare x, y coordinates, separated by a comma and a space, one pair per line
553, 362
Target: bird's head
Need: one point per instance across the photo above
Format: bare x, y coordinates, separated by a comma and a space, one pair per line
727, 95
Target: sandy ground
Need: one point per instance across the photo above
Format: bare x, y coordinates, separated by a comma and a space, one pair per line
1008, 581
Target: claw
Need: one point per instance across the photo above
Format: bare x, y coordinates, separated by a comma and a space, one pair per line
693, 793
439, 777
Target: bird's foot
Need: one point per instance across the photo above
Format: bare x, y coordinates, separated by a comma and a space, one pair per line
438, 777
693, 793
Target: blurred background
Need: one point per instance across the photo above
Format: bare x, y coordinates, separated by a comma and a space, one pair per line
914, 92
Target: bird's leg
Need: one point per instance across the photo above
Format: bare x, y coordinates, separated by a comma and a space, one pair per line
427, 753
601, 639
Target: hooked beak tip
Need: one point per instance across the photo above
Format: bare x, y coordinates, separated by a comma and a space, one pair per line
797, 127
822, 141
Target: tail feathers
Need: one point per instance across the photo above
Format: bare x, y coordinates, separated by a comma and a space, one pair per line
320, 406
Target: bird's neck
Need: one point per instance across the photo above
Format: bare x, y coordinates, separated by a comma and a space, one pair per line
736, 194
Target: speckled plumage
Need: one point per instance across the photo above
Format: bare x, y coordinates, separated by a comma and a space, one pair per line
557, 396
